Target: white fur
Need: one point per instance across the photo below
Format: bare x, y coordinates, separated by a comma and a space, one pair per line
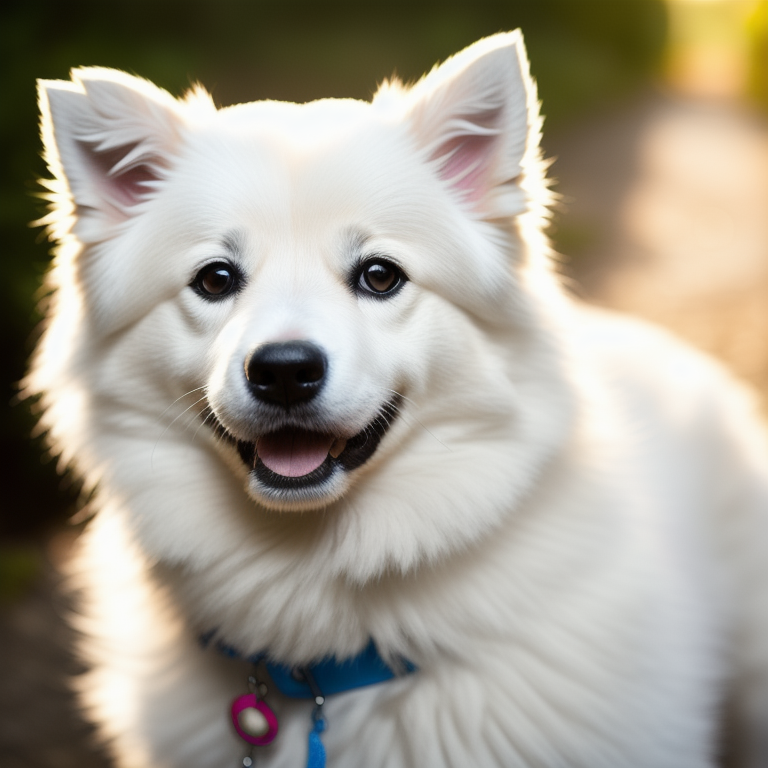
565, 528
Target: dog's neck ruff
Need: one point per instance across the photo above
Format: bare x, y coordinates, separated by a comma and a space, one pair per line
257, 724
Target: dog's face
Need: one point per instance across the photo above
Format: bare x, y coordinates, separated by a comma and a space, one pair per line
330, 288
318, 292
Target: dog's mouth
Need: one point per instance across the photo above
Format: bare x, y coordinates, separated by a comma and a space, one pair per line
293, 458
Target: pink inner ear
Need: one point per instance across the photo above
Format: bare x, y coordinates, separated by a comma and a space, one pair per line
468, 164
127, 187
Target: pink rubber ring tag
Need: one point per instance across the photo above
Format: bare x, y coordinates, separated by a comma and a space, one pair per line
240, 717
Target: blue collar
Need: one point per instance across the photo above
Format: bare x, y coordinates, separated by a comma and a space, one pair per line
329, 675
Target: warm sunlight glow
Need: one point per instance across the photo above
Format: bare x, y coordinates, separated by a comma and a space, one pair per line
708, 46
695, 223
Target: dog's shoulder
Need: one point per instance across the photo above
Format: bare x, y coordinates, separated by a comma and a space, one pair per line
656, 375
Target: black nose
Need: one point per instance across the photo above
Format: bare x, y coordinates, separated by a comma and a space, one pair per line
287, 372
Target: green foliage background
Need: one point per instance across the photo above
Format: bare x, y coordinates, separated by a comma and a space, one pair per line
583, 53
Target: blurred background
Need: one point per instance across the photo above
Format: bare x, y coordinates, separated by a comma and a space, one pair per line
655, 117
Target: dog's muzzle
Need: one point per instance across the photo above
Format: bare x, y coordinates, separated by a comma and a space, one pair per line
284, 377
293, 458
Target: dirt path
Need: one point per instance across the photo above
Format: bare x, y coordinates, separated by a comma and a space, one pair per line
39, 723
675, 197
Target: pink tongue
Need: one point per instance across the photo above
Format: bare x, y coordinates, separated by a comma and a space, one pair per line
293, 452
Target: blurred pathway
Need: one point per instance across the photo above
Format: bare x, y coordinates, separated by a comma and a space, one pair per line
40, 726
668, 217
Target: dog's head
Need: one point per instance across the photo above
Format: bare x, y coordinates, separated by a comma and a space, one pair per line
342, 293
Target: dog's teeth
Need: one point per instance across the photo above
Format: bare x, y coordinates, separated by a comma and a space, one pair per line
338, 447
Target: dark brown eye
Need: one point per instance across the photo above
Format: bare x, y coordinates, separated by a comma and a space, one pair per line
217, 280
380, 277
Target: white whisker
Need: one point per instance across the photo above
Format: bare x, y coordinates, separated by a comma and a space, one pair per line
208, 417
181, 397
407, 416
175, 419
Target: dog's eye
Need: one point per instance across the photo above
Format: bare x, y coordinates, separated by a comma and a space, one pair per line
217, 280
379, 277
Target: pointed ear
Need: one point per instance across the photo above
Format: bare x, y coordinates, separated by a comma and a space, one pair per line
477, 116
110, 138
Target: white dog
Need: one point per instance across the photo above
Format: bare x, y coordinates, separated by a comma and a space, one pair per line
341, 419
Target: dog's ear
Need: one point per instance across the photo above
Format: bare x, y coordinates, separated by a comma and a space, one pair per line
109, 137
477, 117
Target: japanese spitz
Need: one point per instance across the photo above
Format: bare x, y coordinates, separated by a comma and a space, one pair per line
334, 405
